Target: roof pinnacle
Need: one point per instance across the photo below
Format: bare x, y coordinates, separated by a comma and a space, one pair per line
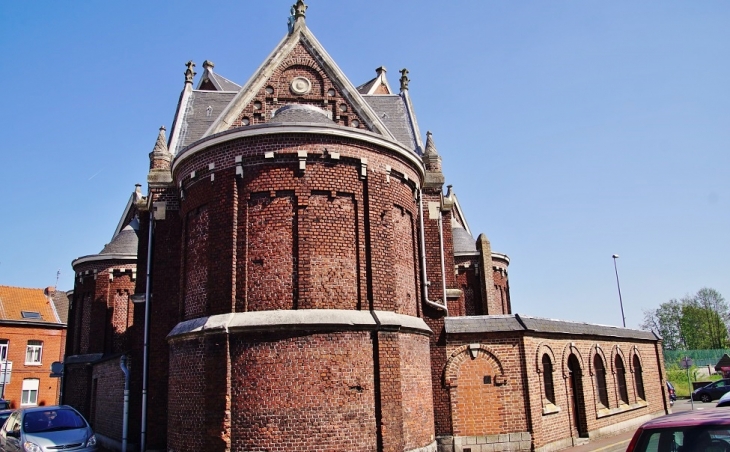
161, 143
189, 72
430, 147
208, 65
404, 80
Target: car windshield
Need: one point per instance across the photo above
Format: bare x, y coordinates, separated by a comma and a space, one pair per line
52, 420
685, 439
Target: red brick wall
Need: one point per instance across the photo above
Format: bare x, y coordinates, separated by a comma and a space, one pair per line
480, 409
552, 427
187, 395
101, 312
416, 391
300, 239
270, 252
313, 392
196, 262
405, 262
77, 387
108, 408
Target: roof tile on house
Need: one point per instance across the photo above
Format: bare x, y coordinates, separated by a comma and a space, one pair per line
16, 300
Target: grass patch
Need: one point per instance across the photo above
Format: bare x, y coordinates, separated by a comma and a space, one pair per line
678, 378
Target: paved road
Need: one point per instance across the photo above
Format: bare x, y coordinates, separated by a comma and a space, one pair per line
620, 442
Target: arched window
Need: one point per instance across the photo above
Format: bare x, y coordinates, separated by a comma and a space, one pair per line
621, 379
547, 378
639, 378
600, 372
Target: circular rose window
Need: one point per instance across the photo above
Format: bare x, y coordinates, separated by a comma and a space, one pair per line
301, 85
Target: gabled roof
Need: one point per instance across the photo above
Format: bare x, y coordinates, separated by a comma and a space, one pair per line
25, 305
298, 35
210, 81
377, 86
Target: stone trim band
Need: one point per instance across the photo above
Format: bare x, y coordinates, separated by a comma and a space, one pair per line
300, 320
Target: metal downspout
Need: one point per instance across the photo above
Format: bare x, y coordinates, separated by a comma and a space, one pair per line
125, 416
424, 278
146, 357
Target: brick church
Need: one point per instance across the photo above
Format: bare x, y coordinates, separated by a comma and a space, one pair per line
298, 276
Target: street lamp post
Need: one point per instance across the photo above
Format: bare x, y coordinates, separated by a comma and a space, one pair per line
621, 302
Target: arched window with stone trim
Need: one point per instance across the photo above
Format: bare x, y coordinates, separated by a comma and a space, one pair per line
599, 370
547, 378
623, 393
638, 378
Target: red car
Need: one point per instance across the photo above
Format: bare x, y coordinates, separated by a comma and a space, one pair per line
689, 431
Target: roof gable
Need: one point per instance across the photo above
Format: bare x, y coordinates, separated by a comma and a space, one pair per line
298, 71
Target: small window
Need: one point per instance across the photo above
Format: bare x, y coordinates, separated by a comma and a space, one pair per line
30, 314
34, 353
600, 372
3, 350
547, 376
29, 395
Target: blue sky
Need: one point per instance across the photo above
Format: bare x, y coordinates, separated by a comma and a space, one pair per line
570, 130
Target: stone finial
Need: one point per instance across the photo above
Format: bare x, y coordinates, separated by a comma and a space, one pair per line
381, 70
404, 79
296, 13
299, 10
189, 72
208, 65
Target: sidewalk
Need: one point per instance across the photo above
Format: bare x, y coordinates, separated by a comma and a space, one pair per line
620, 442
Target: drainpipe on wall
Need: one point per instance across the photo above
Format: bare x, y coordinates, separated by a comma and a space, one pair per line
146, 355
424, 277
125, 416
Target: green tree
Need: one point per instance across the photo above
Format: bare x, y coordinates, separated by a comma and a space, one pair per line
694, 322
666, 321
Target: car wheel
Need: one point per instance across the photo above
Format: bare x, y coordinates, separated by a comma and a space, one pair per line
706, 398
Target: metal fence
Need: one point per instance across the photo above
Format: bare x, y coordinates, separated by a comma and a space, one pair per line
699, 357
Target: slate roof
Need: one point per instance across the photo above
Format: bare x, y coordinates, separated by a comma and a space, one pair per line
365, 87
464, 243
516, 322
223, 83
60, 299
301, 113
391, 109
197, 117
125, 242
15, 300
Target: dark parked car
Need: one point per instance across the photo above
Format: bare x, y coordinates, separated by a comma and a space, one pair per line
686, 431
712, 391
47, 428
